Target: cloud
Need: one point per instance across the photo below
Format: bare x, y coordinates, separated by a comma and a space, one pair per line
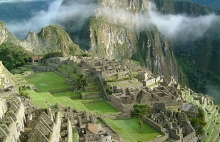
181, 26
77, 11
13, 1
38, 21
172, 26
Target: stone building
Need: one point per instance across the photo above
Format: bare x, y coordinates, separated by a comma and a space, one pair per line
166, 94
87, 126
46, 126
190, 110
124, 99
12, 117
173, 124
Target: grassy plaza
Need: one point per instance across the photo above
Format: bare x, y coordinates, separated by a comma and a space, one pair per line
129, 130
101, 107
45, 81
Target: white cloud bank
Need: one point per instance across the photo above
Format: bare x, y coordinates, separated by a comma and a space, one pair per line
78, 11
38, 21
181, 25
172, 26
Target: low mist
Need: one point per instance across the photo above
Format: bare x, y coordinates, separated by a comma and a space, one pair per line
38, 21
181, 26
172, 26
78, 11
12, 1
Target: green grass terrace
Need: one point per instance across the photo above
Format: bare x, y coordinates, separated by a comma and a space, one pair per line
129, 130
45, 81
100, 107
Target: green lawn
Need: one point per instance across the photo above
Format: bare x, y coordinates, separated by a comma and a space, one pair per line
49, 98
101, 107
36, 99
41, 99
66, 94
75, 104
45, 81
129, 130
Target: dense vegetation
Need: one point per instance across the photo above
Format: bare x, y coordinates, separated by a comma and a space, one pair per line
13, 56
53, 54
198, 59
139, 112
200, 62
21, 10
199, 122
212, 3
183, 7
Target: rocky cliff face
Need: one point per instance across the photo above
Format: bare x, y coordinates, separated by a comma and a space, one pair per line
112, 36
6, 36
49, 39
199, 59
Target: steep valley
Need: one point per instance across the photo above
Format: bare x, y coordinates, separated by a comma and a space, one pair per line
198, 58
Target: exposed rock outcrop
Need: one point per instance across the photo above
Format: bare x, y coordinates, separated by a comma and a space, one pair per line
51, 38
6, 36
6, 78
114, 38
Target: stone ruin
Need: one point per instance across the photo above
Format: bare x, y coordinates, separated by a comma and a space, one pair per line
18, 123
166, 94
173, 124
12, 117
162, 96
87, 126
42, 125
124, 99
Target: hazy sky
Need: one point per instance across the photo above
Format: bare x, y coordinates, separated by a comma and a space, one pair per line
10, 1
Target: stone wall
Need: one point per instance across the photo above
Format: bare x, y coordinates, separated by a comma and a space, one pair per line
154, 125
3, 107
42, 68
93, 101
58, 91
55, 135
160, 139
190, 137
91, 88
114, 134
122, 107
46, 128
91, 95
61, 74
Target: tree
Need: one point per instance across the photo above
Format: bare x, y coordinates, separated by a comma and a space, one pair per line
13, 56
140, 111
199, 122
